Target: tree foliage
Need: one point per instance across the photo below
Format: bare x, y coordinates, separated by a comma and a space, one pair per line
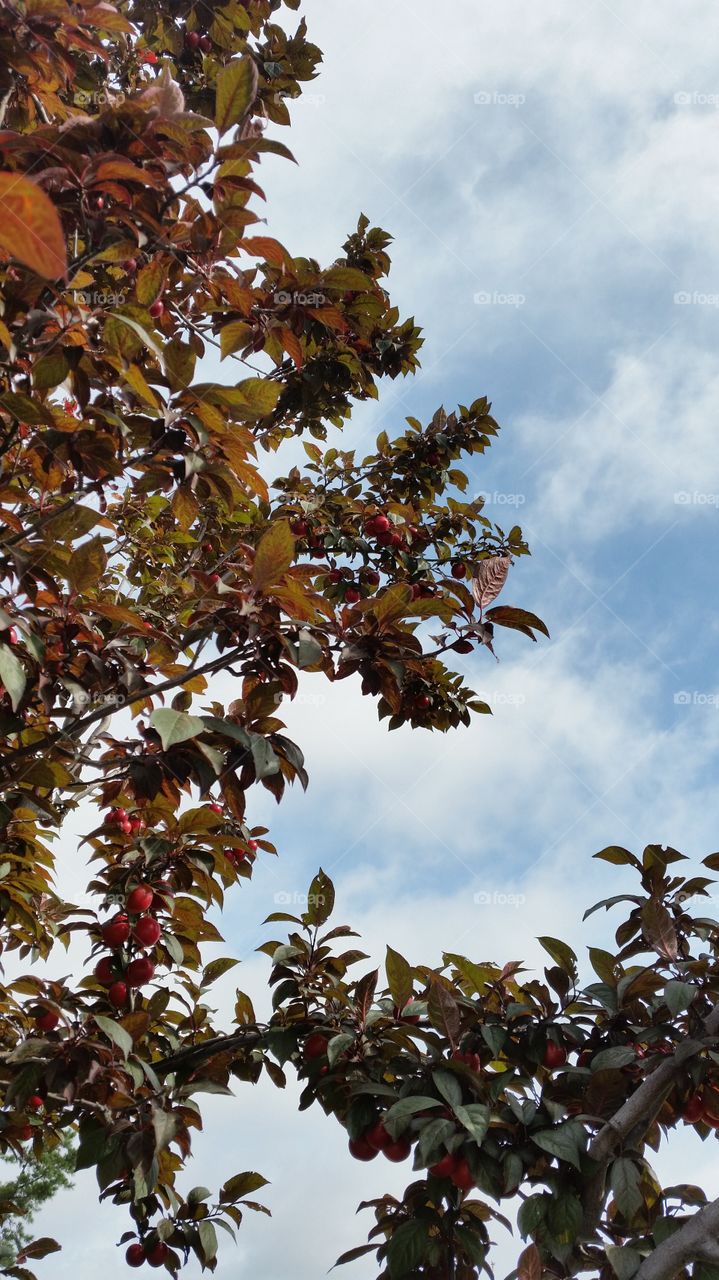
146, 546
35, 1182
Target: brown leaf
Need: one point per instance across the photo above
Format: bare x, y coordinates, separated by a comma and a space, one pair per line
274, 555
658, 929
489, 579
529, 1266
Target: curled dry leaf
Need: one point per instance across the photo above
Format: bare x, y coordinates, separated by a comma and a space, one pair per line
489, 579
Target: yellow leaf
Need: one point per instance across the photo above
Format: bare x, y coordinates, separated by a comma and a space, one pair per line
274, 555
236, 91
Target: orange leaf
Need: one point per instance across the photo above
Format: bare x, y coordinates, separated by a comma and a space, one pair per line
30, 229
292, 346
267, 248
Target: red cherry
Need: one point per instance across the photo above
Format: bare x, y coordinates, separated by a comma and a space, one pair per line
445, 1167
315, 1045
148, 56
156, 1256
384, 537
299, 528
35, 1102
423, 701
139, 899
352, 595
252, 845
215, 806
117, 994
139, 971
206, 44
135, 1255
398, 1150
361, 1150
47, 1020
69, 406
371, 577
147, 931
433, 458
99, 202
396, 539
378, 1137
137, 823
116, 932
157, 309
126, 827
105, 971
192, 40
335, 576
25, 1133
555, 1055
462, 1175
459, 571
378, 524
11, 635
693, 1109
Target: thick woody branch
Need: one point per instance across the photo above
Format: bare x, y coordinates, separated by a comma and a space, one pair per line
695, 1241
633, 1119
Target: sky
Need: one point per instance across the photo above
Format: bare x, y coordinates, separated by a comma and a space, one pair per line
549, 173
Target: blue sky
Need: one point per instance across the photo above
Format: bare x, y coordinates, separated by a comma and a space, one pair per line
565, 155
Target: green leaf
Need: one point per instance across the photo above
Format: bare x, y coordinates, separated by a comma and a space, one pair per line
625, 1182
215, 969
86, 565
449, 1087
613, 1059
561, 954
623, 1260
475, 1118
208, 1239
337, 1046
347, 279
274, 555
618, 856
320, 899
175, 726
395, 1121
678, 996
531, 1214
198, 1194
407, 1248
116, 1033
239, 1186
567, 1142
12, 675
236, 90
399, 977
50, 370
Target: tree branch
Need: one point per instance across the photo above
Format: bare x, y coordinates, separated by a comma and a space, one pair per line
634, 1117
696, 1240
248, 1036
31, 748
